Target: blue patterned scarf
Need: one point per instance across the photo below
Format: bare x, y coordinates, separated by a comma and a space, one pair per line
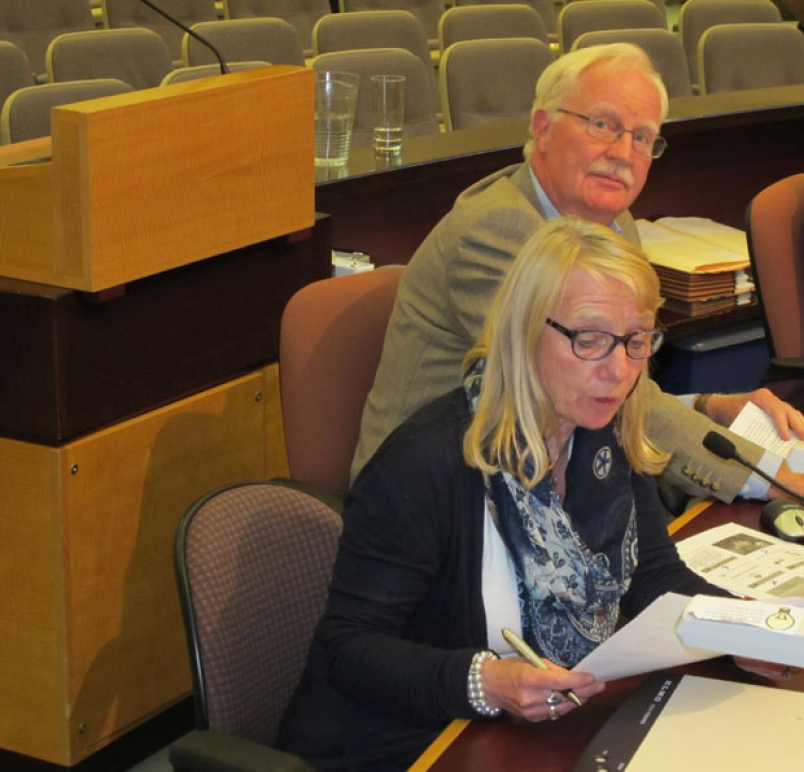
569, 596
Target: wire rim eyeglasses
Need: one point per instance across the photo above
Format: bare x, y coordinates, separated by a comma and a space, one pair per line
608, 130
593, 345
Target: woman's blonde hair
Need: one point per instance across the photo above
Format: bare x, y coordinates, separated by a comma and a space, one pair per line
514, 412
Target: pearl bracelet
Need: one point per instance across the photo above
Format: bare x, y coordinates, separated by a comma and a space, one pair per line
474, 685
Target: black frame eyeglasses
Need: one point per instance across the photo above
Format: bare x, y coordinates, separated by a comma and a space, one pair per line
609, 130
593, 345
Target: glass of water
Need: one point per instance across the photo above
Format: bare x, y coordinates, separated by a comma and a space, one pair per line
335, 100
388, 99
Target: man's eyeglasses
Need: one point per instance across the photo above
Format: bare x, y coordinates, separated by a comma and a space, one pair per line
607, 130
592, 345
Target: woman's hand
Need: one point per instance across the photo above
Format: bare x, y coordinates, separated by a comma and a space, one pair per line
523, 690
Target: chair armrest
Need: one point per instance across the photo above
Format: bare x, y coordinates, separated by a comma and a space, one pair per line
785, 369
207, 751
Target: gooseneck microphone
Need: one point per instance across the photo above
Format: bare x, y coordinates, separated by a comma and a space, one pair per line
181, 25
724, 448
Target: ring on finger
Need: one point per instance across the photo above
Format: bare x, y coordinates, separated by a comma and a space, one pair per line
554, 699
554, 715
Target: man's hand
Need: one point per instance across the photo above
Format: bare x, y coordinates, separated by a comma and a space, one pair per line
724, 408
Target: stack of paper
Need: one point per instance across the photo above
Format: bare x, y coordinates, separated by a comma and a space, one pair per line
702, 265
746, 628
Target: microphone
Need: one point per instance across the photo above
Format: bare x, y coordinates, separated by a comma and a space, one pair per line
191, 33
724, 448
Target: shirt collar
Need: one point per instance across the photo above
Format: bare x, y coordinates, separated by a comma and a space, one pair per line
550, 212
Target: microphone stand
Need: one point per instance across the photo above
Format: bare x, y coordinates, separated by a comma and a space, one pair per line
190, 32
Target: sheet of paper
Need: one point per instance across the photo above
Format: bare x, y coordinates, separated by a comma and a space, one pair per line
747, 562
648, 642
756, 425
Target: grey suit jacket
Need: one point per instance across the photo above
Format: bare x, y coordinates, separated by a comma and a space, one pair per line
439, 314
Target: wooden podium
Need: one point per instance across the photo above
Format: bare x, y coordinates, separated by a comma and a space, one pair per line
145, 268
147, 181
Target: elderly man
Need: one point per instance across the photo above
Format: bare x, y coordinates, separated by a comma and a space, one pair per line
594, 133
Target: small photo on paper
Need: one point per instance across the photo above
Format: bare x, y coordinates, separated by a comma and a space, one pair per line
742, 543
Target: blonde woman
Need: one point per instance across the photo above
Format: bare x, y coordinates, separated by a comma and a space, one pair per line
523, 500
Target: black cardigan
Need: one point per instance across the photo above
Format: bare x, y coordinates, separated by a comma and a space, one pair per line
388, 666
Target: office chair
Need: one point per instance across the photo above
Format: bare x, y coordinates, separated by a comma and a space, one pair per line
487, 81
545, 8
32, 24
420, 118
253, 563
733, 57
375, 29
15, 70
137, 56
132, 13
26, 113
579, 17
244, 40
697, 16
428, 12
301, 14
775, 232
198, 71
330, 343
473, 22
663, 47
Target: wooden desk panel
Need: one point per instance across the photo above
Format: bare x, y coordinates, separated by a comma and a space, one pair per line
724, 148
74, 362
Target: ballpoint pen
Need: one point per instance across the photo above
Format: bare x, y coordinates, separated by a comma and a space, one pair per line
522, 648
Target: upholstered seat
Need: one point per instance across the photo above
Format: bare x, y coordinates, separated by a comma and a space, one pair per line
486, 81
244, 40
734, 57
579, 17
26, 113
137, 56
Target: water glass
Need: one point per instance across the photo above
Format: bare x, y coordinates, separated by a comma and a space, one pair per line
335, 100
388, 99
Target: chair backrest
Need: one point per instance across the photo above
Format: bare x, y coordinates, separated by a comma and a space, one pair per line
428, 12
32, 24
26, 113
244, 40
331, 339
733, 57
697, 16
474, 22
375, 29
137, 56
487, 81
545, 8
420, 117
253, 564
775, 231
133, 13
663, 47
183, 74
301, 14
579, 17
15, 70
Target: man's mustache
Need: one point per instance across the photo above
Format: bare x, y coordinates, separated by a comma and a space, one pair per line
613, 169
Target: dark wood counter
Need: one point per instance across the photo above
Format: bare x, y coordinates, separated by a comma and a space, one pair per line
723, 149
